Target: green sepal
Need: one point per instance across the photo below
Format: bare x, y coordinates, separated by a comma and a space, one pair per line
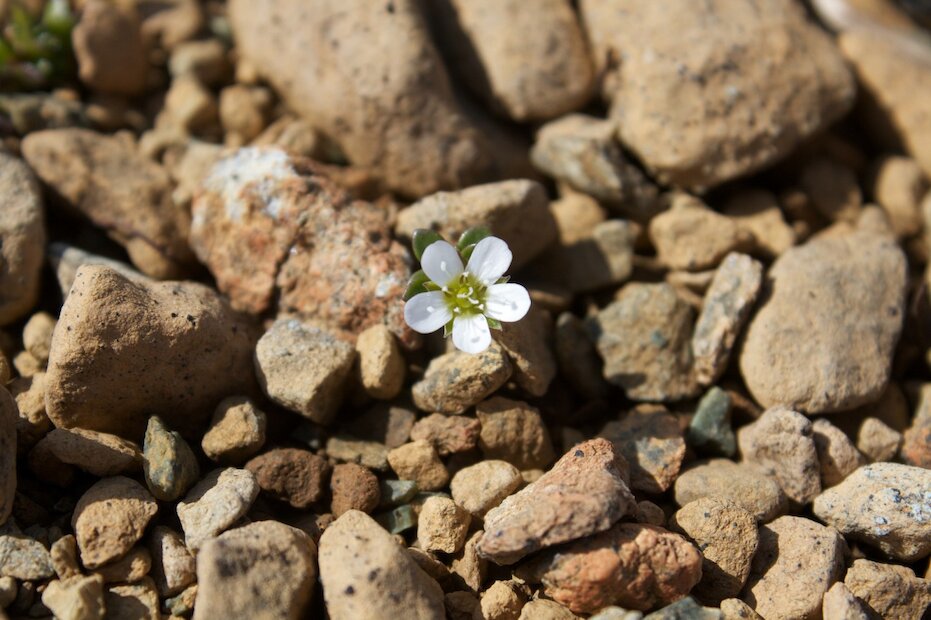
466, 252
472, 236
416, 285
430, 285
493, 323
503, 280
422, 238
448, 330
58, 18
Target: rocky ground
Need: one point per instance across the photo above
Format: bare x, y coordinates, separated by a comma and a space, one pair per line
719, 405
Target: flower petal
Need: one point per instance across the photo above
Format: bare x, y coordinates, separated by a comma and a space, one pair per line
470, 333
507, 302
427, 312
490, 259
441, 262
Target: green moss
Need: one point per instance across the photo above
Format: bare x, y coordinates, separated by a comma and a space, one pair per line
35, 49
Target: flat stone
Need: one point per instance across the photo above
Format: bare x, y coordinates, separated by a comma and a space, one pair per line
455, 381
889, 590
100, 454
742, 483
298, 477
110, 518
650, 440
237, 431
513, 431
168, 461
215, 504
22, 231
37, 335
479, 488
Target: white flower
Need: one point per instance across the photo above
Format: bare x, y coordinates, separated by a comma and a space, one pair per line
468, 297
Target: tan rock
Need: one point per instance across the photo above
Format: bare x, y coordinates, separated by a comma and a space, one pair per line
135, 601
128, 569
76, 598
543, 609
64, 554
100, 454
448, 434
742, 483
109, 48
237, 431
736, 609
244, 112
37, 335
468, 567
381, 364
33, 423
899, 185
442, 525
513, 431
889, 590
839, 602
650, 440
479, 488
110, 518
877, 441
691, 236
837, 455
833, 189
757, 212
502, 600
173, 567
455, 381
216, 503
190, 105
419, 461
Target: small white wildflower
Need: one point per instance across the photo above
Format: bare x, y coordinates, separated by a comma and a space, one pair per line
470, 299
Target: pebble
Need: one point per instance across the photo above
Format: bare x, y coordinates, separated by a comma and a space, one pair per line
398, 519
381, 365
543, 609
479, 488
889, 590
37, 335
182, 605
419, 461
877, 441
128, 569
685, 608
579, 363
100, 454
757, 211
369, 454
796, 562
64, 554
447, 433
110, 518
502, 600
135, 601
916, 443
353, 487
709, 430
387, 424
602, 258
244, 112
215, 503
742, 483
237, 431
650, 440
837, 455
76, 598
22, 233
832, 188
736, 609
173, 567
442, 525
205, 59
367, 575
9, 415
189, 105
885, 505
632, 565
110, 50
168, 461
264, 569
303, 368
782, 442
899, 185
468, 567
33, 423
22, 557
460, 605
513, 431
727, 536
690, 236
27, 365
395, 492
726, 308
298, 477
455, 381
816, 295
839, 602
584, 493
527, 344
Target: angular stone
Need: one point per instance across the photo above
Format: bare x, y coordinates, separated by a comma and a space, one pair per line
442, 525
650, 440
215, 504
420, 462
448, 434
298, 477
77, 598
513, 431
690, 236
100, 454
110, 518
381, 364
742, 483
22, 233
889, 590
455, 381
839, 602
173, 567
168, 461
22, 557
237, 431
479, 488
837, 455
710, 429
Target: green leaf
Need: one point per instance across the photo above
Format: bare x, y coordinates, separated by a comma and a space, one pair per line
422, 238
58, 18
472, 236
416, 284
493, 323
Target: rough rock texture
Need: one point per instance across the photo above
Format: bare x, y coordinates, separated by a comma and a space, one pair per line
134, 600
100, 454
455, 381
742, 483
261, 570
22, 557
169, 464
796, 563
353, 487
173, 567
381, 363
420, 462
442, 525
718, 124
877, 441
710, 431
690, 236
77, 598
650, 440
366, 575
757, 211
479, 488
215, 503
584, 493
837, 455
513, 431
889, 590
110, 518
449, 434
237, 431
123, 350
899, 185
798, 351
527, 344
886, 505
298, 477
109, 48
8, 417
839, 602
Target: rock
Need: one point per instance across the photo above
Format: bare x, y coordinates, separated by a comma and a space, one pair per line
736, 609
8, 591
578, 359
692, 237
26, 365
370, 454
884, 505
109, 48
237, 431
419, 461
727, 536
381, 364
455, 381
468, 567
66, 260
22, 557
367, 575
837, 455
543, 609
128, 569
298, 477
726, 308
117, 189
816, 294
22, 232
513, 431
479, 488
877, 441
110, 518
742, 483
173, 567
650, 440
502, 600
644, 339
889, 590
189, 105
839, 602
383, 423
832, 188
899, 185
442, 525
206, 60
244, 112
396, 492
183, 604
782, 442
460, 605
135, 601
77, 598
8, 420
584, 493
106, 373
169, 464
32, 423
37, 335
796, 562
398, 520
710, 430
64, 554
303, 368
717, 125
685, 608
527, 344
757, 212
636, 566
613, 612
100, 454
582, 151
353, 487
264, 569
603, 258
215, 504
314, 252
448, 434
916, 443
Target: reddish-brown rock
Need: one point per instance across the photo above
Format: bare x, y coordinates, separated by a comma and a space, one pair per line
353, 487
298, 477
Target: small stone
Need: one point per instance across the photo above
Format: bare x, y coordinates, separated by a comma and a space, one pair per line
781, 441
298, 477
884, 505
419, 461
110, 518
9, 415
383, 423
502, 600
244, 112
264, 569
527, 344
757, 211
237, 431
650, 440
136, 601
916, 443
649, 513
367, 575
76, 598
710, 429
513, 431
479, 488
353, 487
22, 232
67, 259
398, 520
37, 335
216, 503
578, 358
691, 236
448, 434
455, 381
8, 591
796, 562
109, 48
64, 554
602, 259
22, 557
394, 492
370, 454
27, 365
742, 483
205, 59
839, 602
189, 105
128, 569
173, 567
877, 441
100, 454
613, 612
728, 539
833, 189
442, 525
32, 423
889, 590
543, 609
684, 608
182, 605
460, 605
899, 185
381, 364
836, 453
725, 310
169, 463
303, 368
736, 609
468, 567
584, 493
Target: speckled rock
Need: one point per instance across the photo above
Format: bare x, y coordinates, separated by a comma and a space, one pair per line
168, 462
837, 455
110, 518
353, 487
77, 598
8, 417
237, 431
366, 575
22, 231
173, 567
710, 430
298, 477
448, 434
796, 562
798, 351
727, 536
633, 565
690, 236
527, 345
420, 462
22, 557
216, 503
264, 569
650, 440
584, 493
479, 488
455, 381
513, 431
124, 350
303, 368
889, 590
100, 454
442, 525
742, 483
381, 364
839, 602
